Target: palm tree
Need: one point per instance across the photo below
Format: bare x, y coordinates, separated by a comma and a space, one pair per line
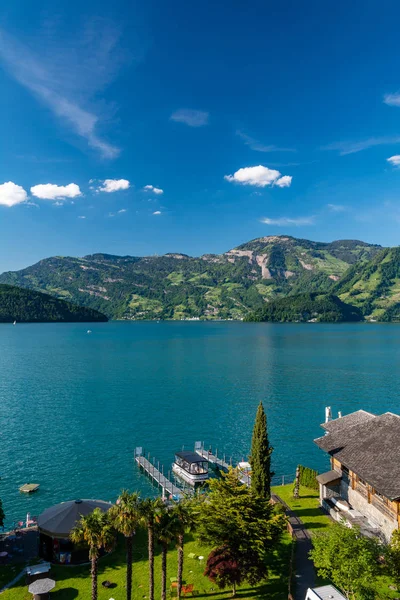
185, 519
125, 518
166, 529
96, 531
149, 510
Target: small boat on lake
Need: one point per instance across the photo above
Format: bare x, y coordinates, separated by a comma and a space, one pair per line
29, 488
15, 322
190, 467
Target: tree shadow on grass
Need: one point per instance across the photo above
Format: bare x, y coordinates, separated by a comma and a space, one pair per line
65, 594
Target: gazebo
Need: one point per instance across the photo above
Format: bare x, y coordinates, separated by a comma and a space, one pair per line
55, 525
41, 588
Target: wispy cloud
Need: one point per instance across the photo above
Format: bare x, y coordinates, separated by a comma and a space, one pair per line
289, 222
394, 160
258, 146
155, 190
351, 147
119, 212
259, 176
337, 208
66, 75
392, 99
193, 118
157, 212
12, 194
81, 217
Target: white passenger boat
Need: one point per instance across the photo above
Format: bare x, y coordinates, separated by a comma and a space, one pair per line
190, 467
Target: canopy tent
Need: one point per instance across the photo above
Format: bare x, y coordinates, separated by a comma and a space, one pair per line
58, 521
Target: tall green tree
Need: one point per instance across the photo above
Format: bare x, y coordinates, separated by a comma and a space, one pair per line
125, 517
2, 515
260, 457
149, 511
166, 529
185, 517
241, 525
347, 558
94, 529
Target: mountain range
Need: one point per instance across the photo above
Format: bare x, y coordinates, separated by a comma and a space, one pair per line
228, 285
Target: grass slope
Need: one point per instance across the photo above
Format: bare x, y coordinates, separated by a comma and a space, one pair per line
75, 582
176, 286
28, 306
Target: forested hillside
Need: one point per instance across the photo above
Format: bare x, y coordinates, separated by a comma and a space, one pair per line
176, 286
28, 306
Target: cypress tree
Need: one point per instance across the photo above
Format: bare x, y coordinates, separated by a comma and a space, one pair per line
260, 458
2, 515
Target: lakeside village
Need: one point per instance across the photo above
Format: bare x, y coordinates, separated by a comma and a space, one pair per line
225, 530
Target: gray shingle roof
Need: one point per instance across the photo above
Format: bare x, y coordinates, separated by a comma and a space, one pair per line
369, 447
360, 416
329, 477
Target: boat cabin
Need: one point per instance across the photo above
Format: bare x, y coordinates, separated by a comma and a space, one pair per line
190, 467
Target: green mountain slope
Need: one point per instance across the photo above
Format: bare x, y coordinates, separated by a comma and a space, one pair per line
374, 286
28, 306
316, 308
176, 286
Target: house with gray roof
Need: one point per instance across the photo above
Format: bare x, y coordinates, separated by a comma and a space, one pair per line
363, 485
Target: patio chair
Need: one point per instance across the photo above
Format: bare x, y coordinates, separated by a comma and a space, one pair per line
187, 589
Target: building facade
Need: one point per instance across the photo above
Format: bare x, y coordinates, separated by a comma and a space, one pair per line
363, 486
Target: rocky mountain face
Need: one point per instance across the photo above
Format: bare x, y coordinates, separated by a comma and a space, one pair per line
177, 286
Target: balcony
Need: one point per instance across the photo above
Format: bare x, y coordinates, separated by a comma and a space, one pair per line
383, 508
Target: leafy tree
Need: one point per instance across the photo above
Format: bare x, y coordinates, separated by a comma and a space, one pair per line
393, 557
94, 529
235, 519
149, 510
260, 458
125, 518
2, 515
348, 559
224, 569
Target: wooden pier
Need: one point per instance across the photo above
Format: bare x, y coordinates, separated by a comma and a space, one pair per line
158, 477
218, 462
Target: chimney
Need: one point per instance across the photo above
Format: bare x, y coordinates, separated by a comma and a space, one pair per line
339, 414
328, 414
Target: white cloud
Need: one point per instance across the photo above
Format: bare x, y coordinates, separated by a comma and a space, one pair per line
157, 212
337, 207
394, 160
193, 118
258, 146
122, 210
12, 194
114, 185
259, 176
287, 222
81, 217
155, 190
284, 181
392, 99
66, 74
351, 147
51, 191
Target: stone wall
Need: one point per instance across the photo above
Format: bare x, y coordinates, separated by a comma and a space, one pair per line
357, 501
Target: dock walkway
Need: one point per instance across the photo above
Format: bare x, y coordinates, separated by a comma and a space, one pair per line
158, 477
220, 463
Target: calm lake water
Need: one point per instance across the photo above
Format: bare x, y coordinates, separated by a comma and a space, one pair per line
74, 406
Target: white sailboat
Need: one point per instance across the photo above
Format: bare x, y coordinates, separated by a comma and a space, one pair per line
15, 322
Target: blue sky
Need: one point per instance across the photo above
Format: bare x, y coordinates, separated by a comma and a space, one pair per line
242, 119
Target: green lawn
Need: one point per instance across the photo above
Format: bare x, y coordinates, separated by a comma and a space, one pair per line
74, 582
307, 508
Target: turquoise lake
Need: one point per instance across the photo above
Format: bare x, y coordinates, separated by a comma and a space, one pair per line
74, 406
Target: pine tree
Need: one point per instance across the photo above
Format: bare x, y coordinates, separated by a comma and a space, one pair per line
260, 458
